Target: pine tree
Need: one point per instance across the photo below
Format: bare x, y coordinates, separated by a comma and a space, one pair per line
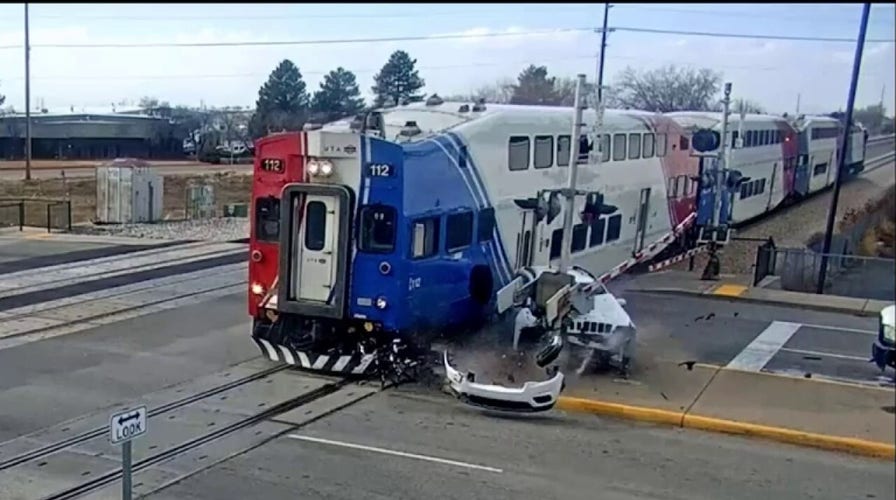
398, 81
338, 96
282, 103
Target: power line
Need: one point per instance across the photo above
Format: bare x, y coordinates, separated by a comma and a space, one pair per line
741, 14
420, 14
304, 73
743, 35
301, 42
540, 61
442, 37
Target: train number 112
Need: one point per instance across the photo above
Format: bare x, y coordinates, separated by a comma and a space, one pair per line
380, 170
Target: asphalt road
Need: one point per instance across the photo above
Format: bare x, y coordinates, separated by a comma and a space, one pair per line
717, 331
405, 445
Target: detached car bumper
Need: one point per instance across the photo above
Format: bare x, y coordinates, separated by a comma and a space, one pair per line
531, 397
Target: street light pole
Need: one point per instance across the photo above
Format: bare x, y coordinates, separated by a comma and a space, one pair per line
27, 99
841, 154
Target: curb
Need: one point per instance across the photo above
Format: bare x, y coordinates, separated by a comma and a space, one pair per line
855, 446
755, 300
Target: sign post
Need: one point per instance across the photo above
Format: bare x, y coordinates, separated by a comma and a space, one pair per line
123, 427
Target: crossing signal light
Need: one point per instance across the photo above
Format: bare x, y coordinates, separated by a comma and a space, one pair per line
706, 140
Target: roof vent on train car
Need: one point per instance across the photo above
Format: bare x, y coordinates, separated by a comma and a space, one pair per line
434, 100
357, 123
410, 129
312, 126
464, 108
479, 106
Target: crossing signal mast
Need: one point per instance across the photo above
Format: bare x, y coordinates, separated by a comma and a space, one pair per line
717, 185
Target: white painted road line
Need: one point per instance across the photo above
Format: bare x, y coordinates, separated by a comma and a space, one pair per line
841, 329
755, 356
826, 354
396, 453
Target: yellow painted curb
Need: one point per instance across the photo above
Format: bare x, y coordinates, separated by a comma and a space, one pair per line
729, 290
681, 419
643, 414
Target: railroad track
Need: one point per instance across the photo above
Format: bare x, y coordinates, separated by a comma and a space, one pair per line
49, 449
113, 476
76, 489
55, 276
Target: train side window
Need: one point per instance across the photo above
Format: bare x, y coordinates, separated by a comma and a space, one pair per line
614, 227
649, 145
426, 238
634, 146
670, 188
579, 237
267, 219
819, 169
681, 189
762, 185
315, 225
544, 151
563, 148
597, 232
618, 147
377, 229
486, 224
518, 154
556, 243
748, 139
743, 190
604, 148
585, 147
683, 143
661, 144
766, 137
734, 137
458, 231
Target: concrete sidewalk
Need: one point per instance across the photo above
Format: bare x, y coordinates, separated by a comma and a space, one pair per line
827, 415
738, 287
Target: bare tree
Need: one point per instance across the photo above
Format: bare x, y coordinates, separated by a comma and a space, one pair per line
666, 89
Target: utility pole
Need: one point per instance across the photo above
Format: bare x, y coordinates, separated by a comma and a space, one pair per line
27, 99
714, 146
566, 247
841, 154
720, 159
603, 51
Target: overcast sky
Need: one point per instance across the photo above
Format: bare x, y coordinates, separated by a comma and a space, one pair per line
771, 72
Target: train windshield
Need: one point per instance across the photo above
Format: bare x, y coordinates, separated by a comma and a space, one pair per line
377, 233
267, 219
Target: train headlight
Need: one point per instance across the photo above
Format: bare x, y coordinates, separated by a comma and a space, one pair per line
381, 303
257, 289
326, 168
313, 167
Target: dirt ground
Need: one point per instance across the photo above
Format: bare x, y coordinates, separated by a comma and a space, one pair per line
229, 187
62, 164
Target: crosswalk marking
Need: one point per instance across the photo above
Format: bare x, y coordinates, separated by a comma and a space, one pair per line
755, 356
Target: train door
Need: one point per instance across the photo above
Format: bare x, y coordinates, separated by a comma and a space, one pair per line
316, 247
771, 188
641, 229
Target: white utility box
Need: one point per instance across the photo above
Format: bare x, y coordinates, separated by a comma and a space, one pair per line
128, 191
